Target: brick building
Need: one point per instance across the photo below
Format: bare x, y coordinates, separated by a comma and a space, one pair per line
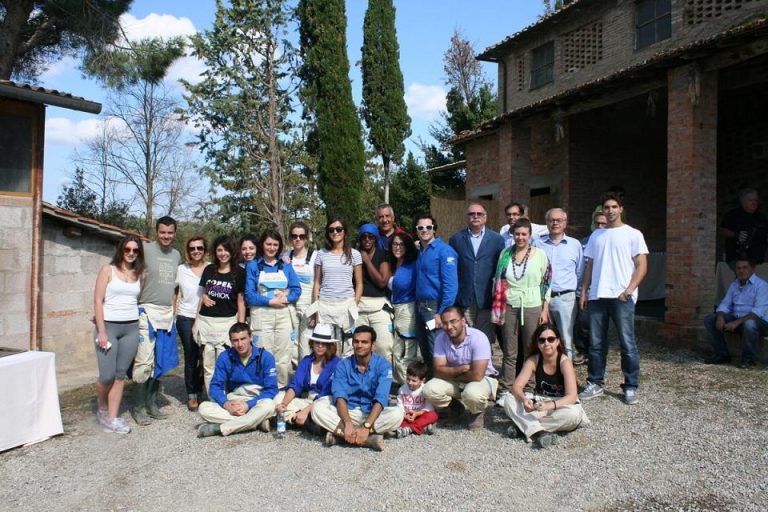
667, 98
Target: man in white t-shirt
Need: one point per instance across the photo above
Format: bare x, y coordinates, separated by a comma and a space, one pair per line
616, 263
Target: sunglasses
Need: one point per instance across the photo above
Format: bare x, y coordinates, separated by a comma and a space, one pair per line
131, 250
296, 236
428, 227
547, 339
336, 229
196, 248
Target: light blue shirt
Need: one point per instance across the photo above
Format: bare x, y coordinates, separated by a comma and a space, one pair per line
476, 239
362, 390
740, 300
566, 259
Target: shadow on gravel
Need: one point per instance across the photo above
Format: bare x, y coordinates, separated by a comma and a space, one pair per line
703, 502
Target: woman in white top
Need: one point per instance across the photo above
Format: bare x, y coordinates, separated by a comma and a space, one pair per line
338, 283
188, 280
302, 259
115, 303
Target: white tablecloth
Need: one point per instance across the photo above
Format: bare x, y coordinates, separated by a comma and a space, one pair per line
29, 399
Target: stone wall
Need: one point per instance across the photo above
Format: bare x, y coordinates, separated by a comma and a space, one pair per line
70, 266
15, 271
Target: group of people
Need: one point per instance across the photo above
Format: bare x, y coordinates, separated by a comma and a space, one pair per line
320, 336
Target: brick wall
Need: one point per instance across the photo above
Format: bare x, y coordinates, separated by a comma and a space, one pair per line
618, 43
70, 266
15, 271
692, 167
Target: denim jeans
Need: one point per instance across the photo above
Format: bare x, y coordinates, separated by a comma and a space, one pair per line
623, 316
193, 375
425, 311
562, 311
751, 331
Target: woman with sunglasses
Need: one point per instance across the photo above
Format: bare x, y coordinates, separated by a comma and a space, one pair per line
402, 284
554, 405
116, 308
271, 291
375, 309
188, 277
302, 259
338, 283
521, 299
221, 303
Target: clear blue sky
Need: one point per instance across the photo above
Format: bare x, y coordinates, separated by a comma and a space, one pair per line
424, 29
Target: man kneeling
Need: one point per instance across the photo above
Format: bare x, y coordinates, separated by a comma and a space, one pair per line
243, 387
357, 412
464, 375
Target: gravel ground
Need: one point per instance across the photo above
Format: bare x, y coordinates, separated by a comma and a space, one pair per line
697, 441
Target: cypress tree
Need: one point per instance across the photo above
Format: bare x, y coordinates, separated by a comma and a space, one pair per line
337, 139
384, 109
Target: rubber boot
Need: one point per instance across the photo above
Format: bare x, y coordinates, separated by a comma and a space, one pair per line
153, 387
139, 410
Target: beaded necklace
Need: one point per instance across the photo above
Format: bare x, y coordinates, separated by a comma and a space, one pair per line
523, 264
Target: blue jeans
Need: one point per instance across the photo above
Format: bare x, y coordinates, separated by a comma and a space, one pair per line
623, 316
562, 311
751, 331
193, 370
425, 311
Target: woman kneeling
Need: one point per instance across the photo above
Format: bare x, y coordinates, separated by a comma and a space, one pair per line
554, 407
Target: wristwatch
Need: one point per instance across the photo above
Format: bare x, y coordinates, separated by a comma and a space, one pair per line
368, 426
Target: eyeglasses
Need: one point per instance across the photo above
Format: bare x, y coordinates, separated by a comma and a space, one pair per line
558, 220
335, 229
296, 236
428, 227
131, 250
196, 248
475, 214
547, 339
398, 244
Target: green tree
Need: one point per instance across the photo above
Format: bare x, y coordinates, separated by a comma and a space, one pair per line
336, 139
410, 191
36, 32
78, 197
243, 106
469, 103
384, 109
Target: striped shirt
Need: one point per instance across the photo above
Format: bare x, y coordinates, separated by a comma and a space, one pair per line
337, 275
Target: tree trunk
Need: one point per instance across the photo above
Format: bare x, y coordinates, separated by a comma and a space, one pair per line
16, 16
386, 179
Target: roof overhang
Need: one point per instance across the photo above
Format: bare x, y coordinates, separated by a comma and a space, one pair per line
78, 221
40, 95
743, 34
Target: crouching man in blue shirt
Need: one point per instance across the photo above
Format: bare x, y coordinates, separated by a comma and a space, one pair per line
243, 388
358, 411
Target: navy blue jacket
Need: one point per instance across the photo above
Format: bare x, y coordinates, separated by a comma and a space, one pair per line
476, 272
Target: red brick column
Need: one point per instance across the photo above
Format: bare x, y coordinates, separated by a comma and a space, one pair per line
691, 195
513, 165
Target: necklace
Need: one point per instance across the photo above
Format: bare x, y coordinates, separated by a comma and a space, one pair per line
523, 264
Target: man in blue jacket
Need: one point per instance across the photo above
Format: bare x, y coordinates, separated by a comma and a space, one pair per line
478, 249
243, 388
358, 411
437, 283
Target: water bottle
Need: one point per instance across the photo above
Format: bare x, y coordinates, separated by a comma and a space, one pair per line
280, 425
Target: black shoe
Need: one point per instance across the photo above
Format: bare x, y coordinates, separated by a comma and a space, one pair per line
717, 359
747, 364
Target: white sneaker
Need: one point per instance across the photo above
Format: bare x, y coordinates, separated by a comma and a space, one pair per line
502, 398
116, 426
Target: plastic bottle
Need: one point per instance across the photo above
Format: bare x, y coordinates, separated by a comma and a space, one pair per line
280, 425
